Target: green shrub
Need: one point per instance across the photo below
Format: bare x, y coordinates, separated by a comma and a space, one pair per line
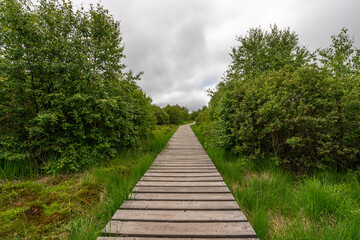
162, 117
64, 91
302, 115
177, 114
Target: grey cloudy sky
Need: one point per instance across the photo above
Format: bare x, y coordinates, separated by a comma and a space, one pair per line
183, 45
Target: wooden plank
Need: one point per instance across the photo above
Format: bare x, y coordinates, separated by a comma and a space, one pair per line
184, 150
181, 205
181, 167
169, 229
183, 154
149, 189
213, 170
182, 184
154, 238
190, 160
183, 196
188, 167
150, 174
186, 162
182, 159
204, 156
179, 216
180, 179
184, 147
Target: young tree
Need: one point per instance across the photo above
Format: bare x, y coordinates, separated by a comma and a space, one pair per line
260, 51
342, 58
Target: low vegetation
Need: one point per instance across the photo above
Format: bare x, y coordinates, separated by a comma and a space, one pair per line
281, 205
75, 206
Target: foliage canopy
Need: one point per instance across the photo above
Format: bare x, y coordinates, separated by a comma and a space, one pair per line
66, 100
274, 101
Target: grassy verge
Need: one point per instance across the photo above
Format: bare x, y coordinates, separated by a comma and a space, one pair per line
75, 206
281, 205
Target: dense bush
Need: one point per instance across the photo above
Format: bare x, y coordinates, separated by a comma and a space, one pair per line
203, 120
65, 95
303, 115
195, 114
177, 114
162, 117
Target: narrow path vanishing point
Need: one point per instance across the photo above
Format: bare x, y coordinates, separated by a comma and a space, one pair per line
181, 196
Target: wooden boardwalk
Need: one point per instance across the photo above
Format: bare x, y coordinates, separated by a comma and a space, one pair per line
181, 196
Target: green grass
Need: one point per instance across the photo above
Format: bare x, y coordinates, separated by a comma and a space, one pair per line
281, 205
22, 169
75, 206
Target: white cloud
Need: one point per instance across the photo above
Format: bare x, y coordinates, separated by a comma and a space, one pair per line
183, 45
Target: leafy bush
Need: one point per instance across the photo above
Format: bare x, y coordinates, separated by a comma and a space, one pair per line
304, 115
195, 114
177, 114
162, 117
64, 91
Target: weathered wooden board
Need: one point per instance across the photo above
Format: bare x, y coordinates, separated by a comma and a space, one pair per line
182, 179
154, 238
182, 170
181, 156
148, 174
184, 155
170, 229
181, 184
179, 147
181, 205
179, 216
147, 189
187, 162
185, 165
183, 151
183, 196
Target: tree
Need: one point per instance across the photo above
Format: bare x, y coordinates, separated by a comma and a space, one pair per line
273, 103
161, 116
196, 113
341, 58
64, 89
260, 51
177, 114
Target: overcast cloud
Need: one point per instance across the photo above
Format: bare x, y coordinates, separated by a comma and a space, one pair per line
183, 45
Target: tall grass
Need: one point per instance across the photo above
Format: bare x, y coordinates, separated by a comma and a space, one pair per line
16, 169
281, 205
